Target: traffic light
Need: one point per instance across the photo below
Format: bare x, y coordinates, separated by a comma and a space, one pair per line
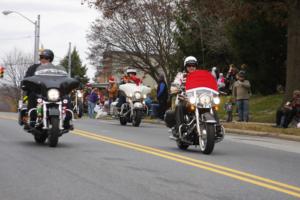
1, 72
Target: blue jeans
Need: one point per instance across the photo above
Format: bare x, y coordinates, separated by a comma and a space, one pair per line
91, 107
243, 109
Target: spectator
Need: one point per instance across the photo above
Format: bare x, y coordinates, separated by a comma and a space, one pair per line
221, 83
92, 100
244, 68
148, 102
288, 111
112, 90
215, 73
241, 94
229, 109
101, 97
230, 77
162, 96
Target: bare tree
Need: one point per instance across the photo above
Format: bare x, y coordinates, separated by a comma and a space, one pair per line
16, 64
145, 32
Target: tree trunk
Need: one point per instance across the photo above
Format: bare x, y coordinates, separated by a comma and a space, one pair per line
293, 53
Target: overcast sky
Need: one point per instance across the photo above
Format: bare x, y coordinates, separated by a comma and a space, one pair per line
62, 21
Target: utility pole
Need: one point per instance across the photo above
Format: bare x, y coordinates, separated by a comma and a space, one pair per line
69, 60
37, 40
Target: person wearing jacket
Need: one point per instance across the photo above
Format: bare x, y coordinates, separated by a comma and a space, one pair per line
288, 111
162, 96
241, 93
92, 100
190, 65
46, 57
112, 90
130, 77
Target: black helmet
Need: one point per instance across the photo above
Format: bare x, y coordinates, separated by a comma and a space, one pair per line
48, 54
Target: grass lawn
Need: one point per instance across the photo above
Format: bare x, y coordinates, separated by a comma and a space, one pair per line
262, 108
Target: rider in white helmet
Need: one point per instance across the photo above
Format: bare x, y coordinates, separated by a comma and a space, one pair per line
190, 64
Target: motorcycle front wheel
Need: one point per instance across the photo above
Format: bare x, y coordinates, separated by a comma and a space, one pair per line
137, 118
53, 132
207, 139
123, 121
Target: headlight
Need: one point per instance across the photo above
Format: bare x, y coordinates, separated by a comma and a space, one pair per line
145, 96
53, 95
137, 95
217, 100
205, 99
79, 94
130, 95
192, 100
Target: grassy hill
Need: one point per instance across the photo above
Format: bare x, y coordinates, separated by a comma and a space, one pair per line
262, 108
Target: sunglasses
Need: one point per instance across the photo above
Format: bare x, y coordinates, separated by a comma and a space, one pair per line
43, 57
191, 66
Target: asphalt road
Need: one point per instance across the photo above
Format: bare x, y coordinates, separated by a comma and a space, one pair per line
103, 160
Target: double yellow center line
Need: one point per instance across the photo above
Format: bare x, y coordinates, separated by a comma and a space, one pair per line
229, 172
235, 174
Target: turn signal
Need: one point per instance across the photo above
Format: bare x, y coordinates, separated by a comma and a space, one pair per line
191, 107
216, 108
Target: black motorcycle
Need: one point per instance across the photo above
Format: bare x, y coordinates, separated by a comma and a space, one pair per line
201, 125
53, 116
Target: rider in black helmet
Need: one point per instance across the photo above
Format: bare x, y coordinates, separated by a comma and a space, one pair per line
46, 58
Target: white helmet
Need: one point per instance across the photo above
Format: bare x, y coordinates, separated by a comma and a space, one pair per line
190, 60
130, 70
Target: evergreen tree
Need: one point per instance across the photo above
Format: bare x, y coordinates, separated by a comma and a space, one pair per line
77, 69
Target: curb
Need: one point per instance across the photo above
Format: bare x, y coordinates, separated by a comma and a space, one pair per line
244, 132
263, 134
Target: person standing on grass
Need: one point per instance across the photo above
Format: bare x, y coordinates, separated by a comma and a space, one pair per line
241, 93
229, 109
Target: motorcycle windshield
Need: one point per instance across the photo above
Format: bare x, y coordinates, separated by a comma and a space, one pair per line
130, 88
48, 76
201, 80
50, 70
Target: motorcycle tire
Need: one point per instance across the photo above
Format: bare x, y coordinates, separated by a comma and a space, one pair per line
123, 121
207, 143
54, 132
137, 118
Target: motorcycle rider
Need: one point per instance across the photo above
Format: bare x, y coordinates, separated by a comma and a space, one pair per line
190, 65
46, 58
130, 77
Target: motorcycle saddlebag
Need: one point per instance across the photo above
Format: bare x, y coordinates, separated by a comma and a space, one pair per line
170, 118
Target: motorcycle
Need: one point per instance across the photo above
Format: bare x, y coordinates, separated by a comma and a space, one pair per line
52, 86
134, 108
77, 103
201, 124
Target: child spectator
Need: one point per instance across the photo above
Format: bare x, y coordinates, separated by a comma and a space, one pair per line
229, 108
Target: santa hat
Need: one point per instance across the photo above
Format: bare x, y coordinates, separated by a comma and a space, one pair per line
111, 79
